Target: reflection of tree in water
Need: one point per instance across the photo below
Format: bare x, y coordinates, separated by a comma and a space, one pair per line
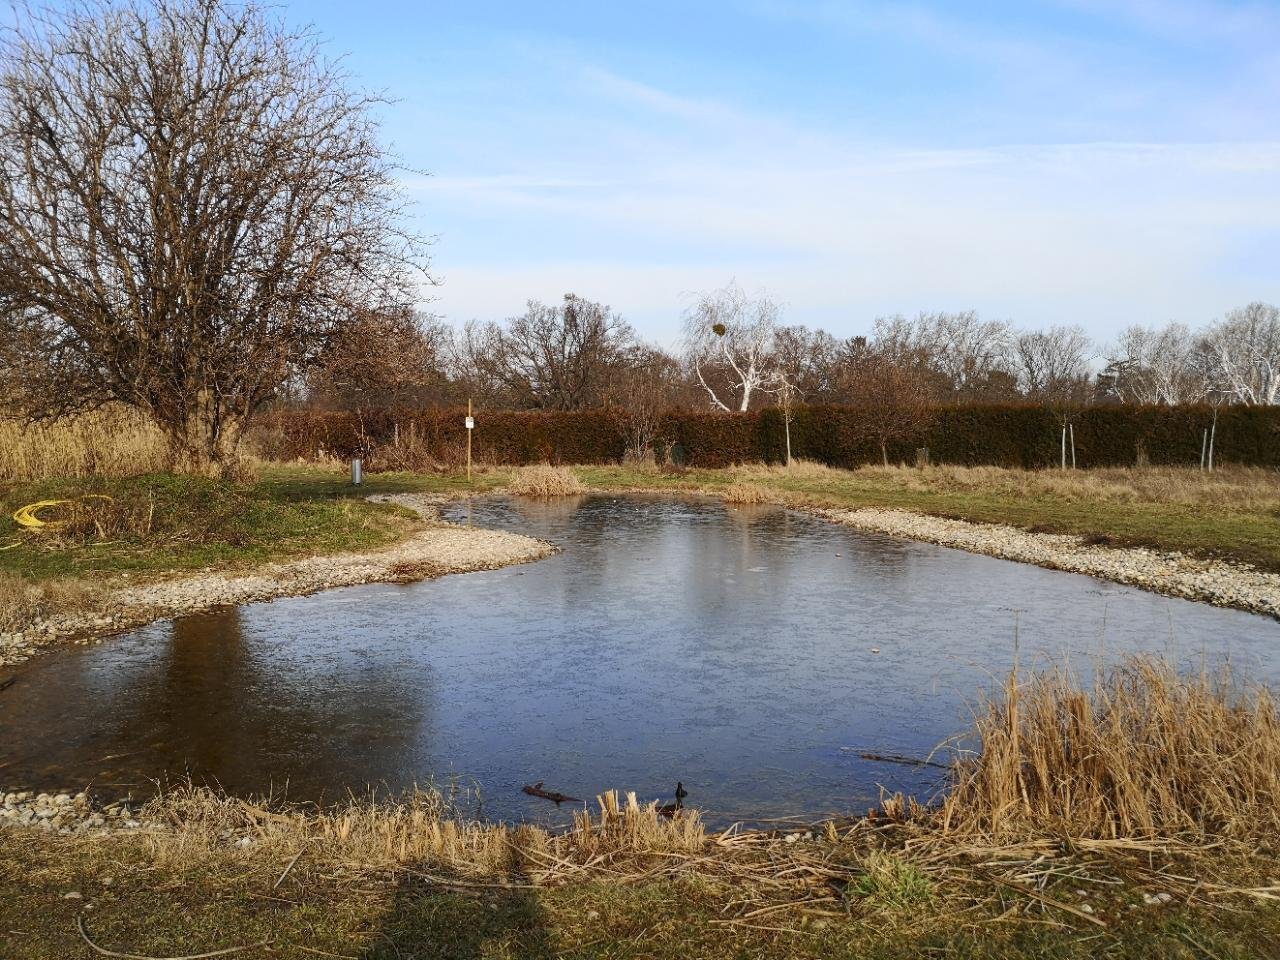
252, 714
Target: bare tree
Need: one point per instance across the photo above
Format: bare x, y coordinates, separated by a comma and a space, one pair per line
730, 341
891, 387
965, 356
806, 361
193, 205
1053, 363
640, 392
1156, 365
550, 357
966, 350
383, 358
1245, 351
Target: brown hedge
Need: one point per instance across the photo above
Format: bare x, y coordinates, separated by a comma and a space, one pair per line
1013, 435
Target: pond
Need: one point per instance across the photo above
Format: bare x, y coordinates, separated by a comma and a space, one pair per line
753, 653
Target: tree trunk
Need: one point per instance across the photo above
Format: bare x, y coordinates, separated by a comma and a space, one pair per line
884, 452
205, 443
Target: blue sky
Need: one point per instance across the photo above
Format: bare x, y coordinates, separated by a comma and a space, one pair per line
1101, 162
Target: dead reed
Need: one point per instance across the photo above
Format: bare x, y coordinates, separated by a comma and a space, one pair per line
745, 493
544, 480
422, 829
114, 441
1144, 754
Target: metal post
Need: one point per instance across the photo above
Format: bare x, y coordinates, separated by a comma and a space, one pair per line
1213, 429
1064, 447
1073, 446
357, 472
470, 426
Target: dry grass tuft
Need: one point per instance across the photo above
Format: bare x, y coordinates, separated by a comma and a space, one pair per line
1145, 754
745, 493
799, 470
24, 601
545, 480
114, 441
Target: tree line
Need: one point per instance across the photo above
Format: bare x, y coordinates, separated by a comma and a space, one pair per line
738, 354
198, 219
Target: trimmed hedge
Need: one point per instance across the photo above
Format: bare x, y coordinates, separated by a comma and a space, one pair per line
1010, 435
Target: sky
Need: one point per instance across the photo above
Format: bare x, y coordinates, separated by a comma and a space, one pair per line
1100, 162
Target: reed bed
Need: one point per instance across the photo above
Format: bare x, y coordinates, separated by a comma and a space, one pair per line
425, 831
746, 493
544, 480
114, 441
1145, 754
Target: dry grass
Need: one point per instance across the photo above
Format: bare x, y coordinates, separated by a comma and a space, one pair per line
424, 830
1145, 754
114, 441
23, 600
799, 470
746, 493
1241, 487
545, 480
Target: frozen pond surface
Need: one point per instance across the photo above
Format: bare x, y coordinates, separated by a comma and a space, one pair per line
733, 649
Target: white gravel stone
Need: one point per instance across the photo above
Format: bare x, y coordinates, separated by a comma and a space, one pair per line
442, 548
1174, 574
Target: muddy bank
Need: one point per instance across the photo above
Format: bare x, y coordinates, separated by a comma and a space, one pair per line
439, 549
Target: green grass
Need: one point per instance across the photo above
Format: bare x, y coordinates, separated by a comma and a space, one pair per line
135, 902
1221, 528
161, 523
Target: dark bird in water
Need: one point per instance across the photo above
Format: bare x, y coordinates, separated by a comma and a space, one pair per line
670, 809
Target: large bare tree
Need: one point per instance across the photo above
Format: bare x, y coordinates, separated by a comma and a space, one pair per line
193, 205
550, 357
1053, 364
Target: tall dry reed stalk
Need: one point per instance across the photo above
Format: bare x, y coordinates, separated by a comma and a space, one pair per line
114, 441
1145, 753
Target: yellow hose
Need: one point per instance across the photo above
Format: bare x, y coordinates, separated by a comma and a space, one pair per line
28, 518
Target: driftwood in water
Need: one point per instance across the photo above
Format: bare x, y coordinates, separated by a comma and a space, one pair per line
907, 761
6, 684
555, 797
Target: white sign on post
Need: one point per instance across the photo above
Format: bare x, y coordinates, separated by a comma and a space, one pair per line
471, 423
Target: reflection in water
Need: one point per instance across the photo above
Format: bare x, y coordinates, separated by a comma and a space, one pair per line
730, 648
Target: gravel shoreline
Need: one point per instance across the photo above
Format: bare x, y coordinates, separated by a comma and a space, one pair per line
441, 548
1218, 582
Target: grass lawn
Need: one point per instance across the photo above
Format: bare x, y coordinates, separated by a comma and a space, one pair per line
137, 901
1233, 514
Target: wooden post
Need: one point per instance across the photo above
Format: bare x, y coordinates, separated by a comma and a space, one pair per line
469, 439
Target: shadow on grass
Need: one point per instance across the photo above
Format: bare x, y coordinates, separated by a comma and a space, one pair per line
427, 921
